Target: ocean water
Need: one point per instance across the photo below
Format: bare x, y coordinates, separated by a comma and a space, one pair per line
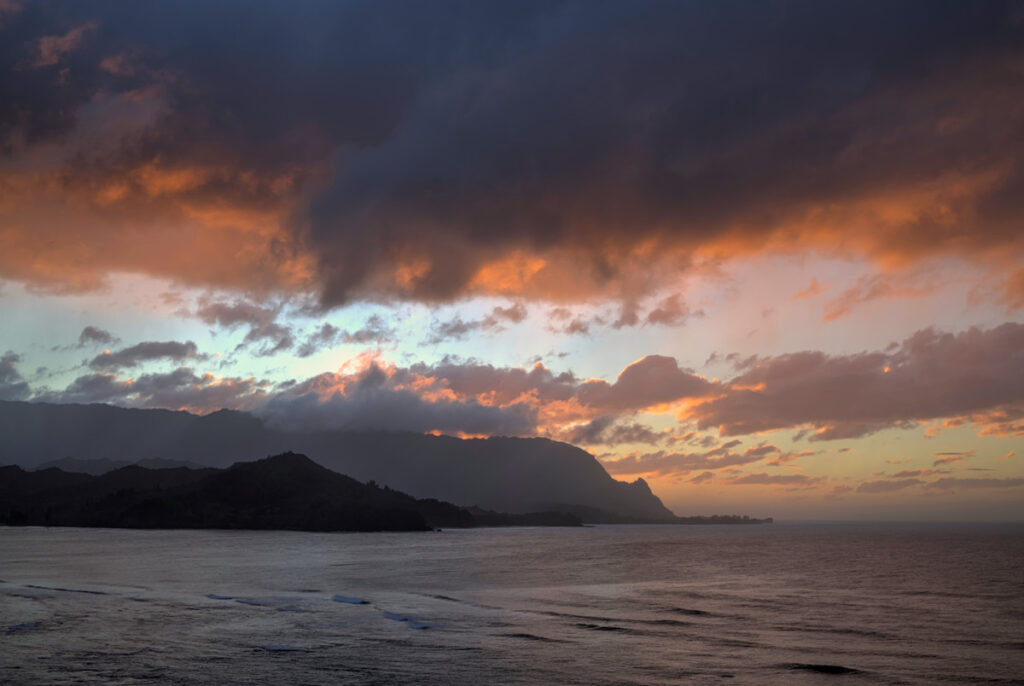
775, 604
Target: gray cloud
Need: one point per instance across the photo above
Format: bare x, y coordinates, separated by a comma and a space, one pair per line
652, 380
604, 430
929, 375
949, 457
264, 330
12, 385
457, 328
956, 484
181, 388
324, 338
373, 402
663, 462
605, 138
504, 384
93, 335
374, 331
563, 320
887, 485
777, 480
146, 352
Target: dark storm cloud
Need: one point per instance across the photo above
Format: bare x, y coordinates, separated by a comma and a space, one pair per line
433, 140
977, 374
600, 124
146, 352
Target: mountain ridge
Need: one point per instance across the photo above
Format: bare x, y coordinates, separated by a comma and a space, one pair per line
283, 492
505, 474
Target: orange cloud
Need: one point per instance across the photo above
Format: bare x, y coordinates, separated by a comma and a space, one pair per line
372, 190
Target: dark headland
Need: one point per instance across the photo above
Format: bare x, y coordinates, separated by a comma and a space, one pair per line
287, 491
483, 477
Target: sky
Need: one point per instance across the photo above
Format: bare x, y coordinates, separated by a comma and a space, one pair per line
768, 256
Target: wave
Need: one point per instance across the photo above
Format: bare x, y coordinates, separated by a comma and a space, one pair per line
820, 669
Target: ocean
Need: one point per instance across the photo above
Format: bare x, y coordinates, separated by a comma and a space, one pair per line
770, 604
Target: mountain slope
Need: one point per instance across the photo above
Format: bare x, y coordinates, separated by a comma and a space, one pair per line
516, 475
286, 491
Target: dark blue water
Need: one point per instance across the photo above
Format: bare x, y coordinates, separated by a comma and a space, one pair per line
779, 604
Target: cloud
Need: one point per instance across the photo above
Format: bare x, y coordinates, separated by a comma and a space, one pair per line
977, 374
664, 463
652, 380
563, 320
1012, 295
181, 389
372, 400
777, 480
459, 396
562, 151
789, 456
93, 335
813, 289
914, 473
53, 48
326, 337
375, 331
956, 484
703, 477
12, 385
262, 322
951, 457
671, 311
874, 287
456, 328
500, 385
887, 485
146, 352
604, 430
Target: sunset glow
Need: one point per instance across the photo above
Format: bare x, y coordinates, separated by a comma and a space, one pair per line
775, 274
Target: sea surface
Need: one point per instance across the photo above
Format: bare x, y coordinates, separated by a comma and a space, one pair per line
771, 604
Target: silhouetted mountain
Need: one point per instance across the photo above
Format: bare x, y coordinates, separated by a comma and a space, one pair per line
515, 475
288, 491
102, 466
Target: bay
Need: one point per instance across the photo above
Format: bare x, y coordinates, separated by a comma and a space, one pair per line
778, 604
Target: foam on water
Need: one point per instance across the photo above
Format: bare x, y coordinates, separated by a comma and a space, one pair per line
349, 600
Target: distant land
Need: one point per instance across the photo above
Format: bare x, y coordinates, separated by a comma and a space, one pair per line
500, 474
102, 466
286, 491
